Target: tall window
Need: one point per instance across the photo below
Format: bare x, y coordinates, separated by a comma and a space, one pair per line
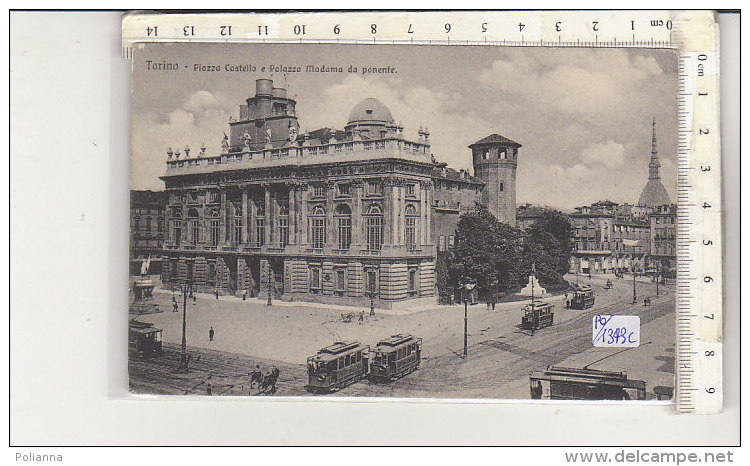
211, 273
193, 226
344, 226
283, 222
213, 228
176, 228
319, 190
316, 282
374, 228
237, 230
318, 227
412, 227
412, 281
260, 221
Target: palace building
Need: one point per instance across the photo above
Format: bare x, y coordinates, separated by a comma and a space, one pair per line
337, 216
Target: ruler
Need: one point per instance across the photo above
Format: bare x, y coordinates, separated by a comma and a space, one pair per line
699, 278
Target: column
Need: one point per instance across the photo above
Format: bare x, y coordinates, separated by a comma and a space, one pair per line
423, 208
356, 188
427, 227
269, 218
304, 193
330, 229
245, 237
223, 218
251, 236
292, 213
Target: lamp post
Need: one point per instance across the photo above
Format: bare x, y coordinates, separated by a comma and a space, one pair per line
465, 290
269, 277
635, 297
371, 294
183, 350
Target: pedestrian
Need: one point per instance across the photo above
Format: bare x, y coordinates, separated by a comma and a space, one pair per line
244, 295
494, 301
216, 293
174, 304
209, 389
361, 317
211, 334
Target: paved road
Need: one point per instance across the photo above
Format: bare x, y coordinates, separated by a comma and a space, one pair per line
500, 354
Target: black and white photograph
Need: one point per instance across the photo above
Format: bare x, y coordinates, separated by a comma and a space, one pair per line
403, 221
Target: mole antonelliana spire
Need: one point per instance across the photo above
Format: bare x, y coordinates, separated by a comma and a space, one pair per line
654, 194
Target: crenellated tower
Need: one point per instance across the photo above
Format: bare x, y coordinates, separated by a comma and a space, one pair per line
495, 161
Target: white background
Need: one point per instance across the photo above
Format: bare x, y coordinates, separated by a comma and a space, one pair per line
69, 164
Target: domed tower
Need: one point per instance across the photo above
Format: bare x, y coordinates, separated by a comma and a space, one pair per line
370, 119
495, 160
654, 194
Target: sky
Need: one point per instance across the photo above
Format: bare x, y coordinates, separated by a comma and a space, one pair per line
582, 115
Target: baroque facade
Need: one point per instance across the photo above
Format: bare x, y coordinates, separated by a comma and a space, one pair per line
338, 216
147, 229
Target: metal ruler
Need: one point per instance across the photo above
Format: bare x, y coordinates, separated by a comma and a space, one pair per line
699, 278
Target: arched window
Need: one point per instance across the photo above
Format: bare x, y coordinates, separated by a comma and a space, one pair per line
374, 228
194, 228
344, 226
213, 227
412, 227
318, 227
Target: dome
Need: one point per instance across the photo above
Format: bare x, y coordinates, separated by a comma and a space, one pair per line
370, 110
654, 194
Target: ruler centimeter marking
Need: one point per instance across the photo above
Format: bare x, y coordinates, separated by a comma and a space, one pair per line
699, 270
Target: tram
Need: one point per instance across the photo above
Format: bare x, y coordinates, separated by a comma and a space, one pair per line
395, 357
583, 298
564, 383
336, 366
537, 315
144, 339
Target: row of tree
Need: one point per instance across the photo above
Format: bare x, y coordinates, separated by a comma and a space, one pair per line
499, 258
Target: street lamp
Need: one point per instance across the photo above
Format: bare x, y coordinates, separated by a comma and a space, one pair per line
269, 277
371, 294
183, 350
465, 290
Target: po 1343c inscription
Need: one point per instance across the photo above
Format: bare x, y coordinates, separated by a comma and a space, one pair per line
616, 331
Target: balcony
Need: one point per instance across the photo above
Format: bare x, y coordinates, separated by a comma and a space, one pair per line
314, 250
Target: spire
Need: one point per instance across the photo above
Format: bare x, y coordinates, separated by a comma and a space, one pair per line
653, 166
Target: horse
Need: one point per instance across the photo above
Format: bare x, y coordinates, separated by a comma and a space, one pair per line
268, 384
256, 376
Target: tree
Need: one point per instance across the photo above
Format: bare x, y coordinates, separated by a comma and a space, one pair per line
485, 252
547, 244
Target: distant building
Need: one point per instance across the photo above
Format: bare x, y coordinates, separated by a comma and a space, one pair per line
329, 215
663, 236
527, 215
147, 229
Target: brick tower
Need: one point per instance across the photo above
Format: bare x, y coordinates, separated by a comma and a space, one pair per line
495, 160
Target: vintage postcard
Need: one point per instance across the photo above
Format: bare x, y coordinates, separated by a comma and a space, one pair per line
403, 221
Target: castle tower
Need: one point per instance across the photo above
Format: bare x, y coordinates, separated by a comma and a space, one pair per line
495, 160
270, 113
654, 194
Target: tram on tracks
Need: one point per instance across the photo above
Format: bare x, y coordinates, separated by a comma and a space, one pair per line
537, 315
144, 339
336, 366
583, 298
395, 357
564, 383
